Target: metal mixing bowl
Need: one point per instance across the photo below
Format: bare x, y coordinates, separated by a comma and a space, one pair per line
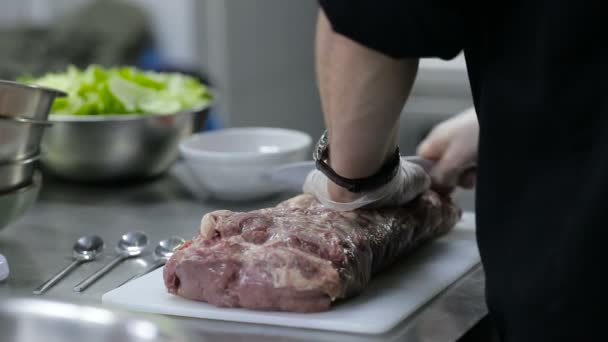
99, 148
28, 319
15, 203
26, 101
19, 139
17, 173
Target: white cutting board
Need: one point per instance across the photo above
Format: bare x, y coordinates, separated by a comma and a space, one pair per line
389, 299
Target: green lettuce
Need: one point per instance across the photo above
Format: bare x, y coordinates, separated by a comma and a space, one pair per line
122, 90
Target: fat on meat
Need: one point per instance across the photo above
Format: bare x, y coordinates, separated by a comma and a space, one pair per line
300, 256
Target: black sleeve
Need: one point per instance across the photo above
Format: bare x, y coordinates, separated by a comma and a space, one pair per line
401, 28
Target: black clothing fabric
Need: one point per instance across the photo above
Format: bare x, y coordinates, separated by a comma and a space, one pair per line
538, 72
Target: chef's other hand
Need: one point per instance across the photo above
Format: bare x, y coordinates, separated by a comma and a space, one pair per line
453, 144
410, 181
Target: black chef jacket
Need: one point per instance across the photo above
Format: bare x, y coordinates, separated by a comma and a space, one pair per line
538, 72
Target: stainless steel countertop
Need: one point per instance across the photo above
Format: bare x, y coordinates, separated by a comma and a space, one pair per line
40, 243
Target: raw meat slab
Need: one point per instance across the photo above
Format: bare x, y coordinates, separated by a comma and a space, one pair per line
390, 298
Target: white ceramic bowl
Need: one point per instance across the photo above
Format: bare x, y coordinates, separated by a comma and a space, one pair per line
232, 164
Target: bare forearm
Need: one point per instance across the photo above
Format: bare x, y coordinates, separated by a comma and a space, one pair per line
362, 94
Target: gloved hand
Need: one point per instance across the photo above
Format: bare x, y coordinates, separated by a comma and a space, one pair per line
453, 145
410, 181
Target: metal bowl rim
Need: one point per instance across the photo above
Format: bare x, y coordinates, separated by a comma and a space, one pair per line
26, 121
119, 317
56, 92
23, 161
74, 118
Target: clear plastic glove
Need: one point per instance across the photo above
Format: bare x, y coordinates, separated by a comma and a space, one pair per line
410, 181
453, 145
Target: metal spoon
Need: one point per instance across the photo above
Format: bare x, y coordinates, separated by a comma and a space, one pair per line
85, 249
162, 253
130, 245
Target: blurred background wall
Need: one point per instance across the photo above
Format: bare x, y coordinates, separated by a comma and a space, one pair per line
173, 22
258, 55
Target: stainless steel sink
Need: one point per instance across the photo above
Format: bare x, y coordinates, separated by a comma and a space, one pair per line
28, 320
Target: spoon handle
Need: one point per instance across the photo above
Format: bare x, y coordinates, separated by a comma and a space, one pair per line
83, 285
57, 277
149, 269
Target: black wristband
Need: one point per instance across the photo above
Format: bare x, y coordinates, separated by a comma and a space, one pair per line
384, 175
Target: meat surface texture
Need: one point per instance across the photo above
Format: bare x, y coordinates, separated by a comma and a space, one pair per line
300, 256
